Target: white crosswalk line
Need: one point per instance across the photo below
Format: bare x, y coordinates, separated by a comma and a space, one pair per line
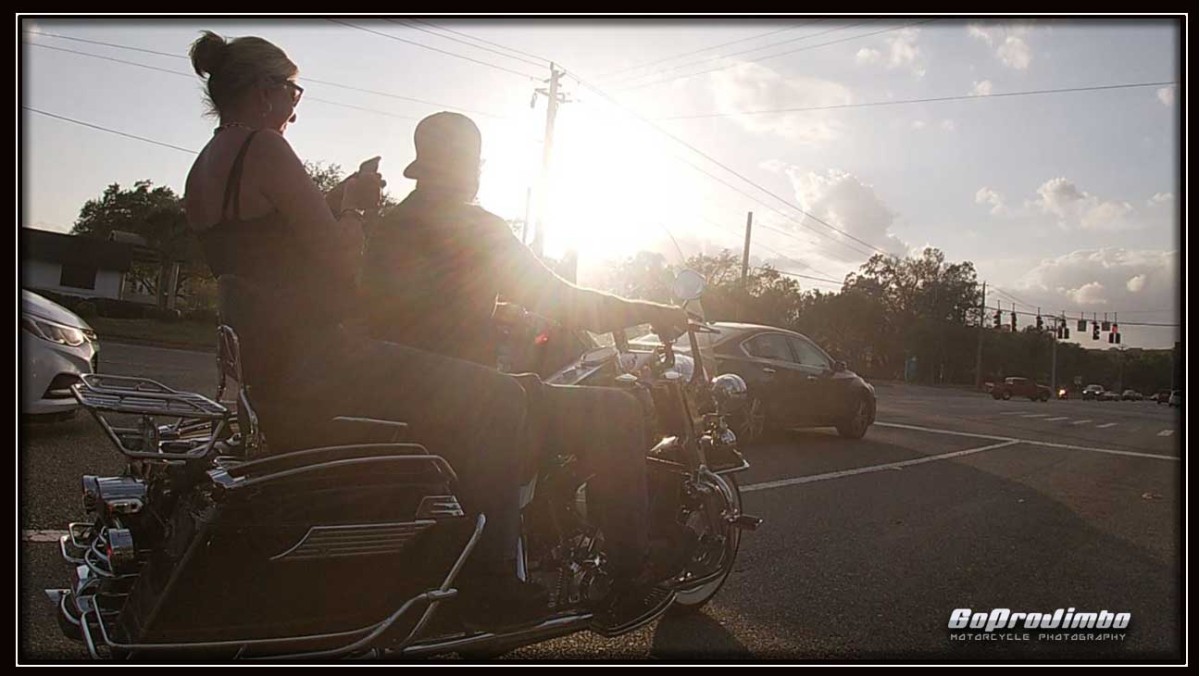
1166, 433
1035, 415
1011, 413
1082, 422
1105, 425
1061, 417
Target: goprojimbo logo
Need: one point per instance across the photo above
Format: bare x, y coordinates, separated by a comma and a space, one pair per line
1001, 624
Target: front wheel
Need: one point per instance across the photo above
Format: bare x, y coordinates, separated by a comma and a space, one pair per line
855, 425
1006, 395
752, 422
690, 600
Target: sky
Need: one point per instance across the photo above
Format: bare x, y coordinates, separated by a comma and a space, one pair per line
675, 128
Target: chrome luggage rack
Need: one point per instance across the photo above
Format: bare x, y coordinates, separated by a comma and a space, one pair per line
184, 439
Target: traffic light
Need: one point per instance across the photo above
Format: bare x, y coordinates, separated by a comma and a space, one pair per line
1118, 335
1014, 321
1111, 337
1039, 323
1105, 326
1081, 326
996, 319
1095, 331
1066, 333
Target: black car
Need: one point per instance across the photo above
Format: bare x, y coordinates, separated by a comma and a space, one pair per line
791, 382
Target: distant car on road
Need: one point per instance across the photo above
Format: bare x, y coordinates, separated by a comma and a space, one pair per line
56, 348
1176, 399
791, 381
1109, 395
1064, 393
1092, 392
1161, 396
1131, 395
1021, 387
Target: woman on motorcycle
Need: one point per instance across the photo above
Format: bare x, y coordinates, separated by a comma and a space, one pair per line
260, 217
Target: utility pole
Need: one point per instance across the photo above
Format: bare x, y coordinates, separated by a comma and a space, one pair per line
745, 265
554, 98
1054, 363
979, 347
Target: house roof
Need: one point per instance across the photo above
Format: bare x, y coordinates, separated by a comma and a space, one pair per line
54, 247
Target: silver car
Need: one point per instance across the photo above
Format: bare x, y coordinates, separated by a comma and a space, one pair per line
56, 348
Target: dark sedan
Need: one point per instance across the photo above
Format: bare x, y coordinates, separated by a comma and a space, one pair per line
792, 382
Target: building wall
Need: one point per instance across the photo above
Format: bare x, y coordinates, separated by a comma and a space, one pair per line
44, 275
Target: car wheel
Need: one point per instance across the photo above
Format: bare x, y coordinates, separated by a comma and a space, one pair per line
1045, 397
1006, 395
752, 423
855, 426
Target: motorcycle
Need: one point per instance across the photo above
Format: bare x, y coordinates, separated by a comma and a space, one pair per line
213, 544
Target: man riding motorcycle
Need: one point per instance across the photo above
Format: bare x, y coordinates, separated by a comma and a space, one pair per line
433, 269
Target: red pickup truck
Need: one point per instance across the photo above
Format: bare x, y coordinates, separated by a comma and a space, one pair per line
1021, 387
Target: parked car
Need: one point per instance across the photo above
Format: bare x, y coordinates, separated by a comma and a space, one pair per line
56, 348
1092, 392
1109, 395
1021, 387
1131, 395
1161, 396
1176, 399
791, 382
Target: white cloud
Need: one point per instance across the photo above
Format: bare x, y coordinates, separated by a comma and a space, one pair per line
948, 125
1105, 279
846, 203
986, 195
918, 124
900, 51
1008, 40
978, 32
1160, 198
1167, 96
1073, 207
750, 86
868, 55
1015, 53
1091, 293
982, 88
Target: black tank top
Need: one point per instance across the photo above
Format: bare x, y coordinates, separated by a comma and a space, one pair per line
307, 298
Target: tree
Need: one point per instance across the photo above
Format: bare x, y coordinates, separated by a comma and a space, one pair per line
156, 214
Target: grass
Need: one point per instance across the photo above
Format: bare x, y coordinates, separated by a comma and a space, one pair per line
179, 334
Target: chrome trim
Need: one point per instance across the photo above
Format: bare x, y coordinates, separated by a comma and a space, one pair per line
545, 630
322, 542
439, 506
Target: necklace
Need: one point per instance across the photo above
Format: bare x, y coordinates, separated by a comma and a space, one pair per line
229, 125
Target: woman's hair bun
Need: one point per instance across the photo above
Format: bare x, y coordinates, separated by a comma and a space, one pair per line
208, 52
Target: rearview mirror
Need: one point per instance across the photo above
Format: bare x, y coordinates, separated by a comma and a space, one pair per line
688, 285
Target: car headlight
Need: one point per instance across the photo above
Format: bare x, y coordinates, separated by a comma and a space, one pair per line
55, 333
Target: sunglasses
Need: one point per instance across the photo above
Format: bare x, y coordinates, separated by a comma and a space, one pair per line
297, 90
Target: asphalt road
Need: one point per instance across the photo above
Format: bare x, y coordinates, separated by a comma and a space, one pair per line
952, 500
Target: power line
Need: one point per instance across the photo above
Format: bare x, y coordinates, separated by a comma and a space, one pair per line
697, 51
488, 42
965, 97
111, 131
410, 23
772, 56
434, 49
189, 75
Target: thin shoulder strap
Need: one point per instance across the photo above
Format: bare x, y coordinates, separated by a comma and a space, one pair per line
233, 186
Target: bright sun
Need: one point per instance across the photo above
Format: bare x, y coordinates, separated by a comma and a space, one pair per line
613, 190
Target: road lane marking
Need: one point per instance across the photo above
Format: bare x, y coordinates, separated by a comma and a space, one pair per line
1031, 442
1100, 427
42, 535
1061, 417
873, 468
1082, 422
1011, 413
1035, 415
1166, 433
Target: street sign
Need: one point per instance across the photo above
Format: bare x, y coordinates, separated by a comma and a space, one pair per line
1078, 380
